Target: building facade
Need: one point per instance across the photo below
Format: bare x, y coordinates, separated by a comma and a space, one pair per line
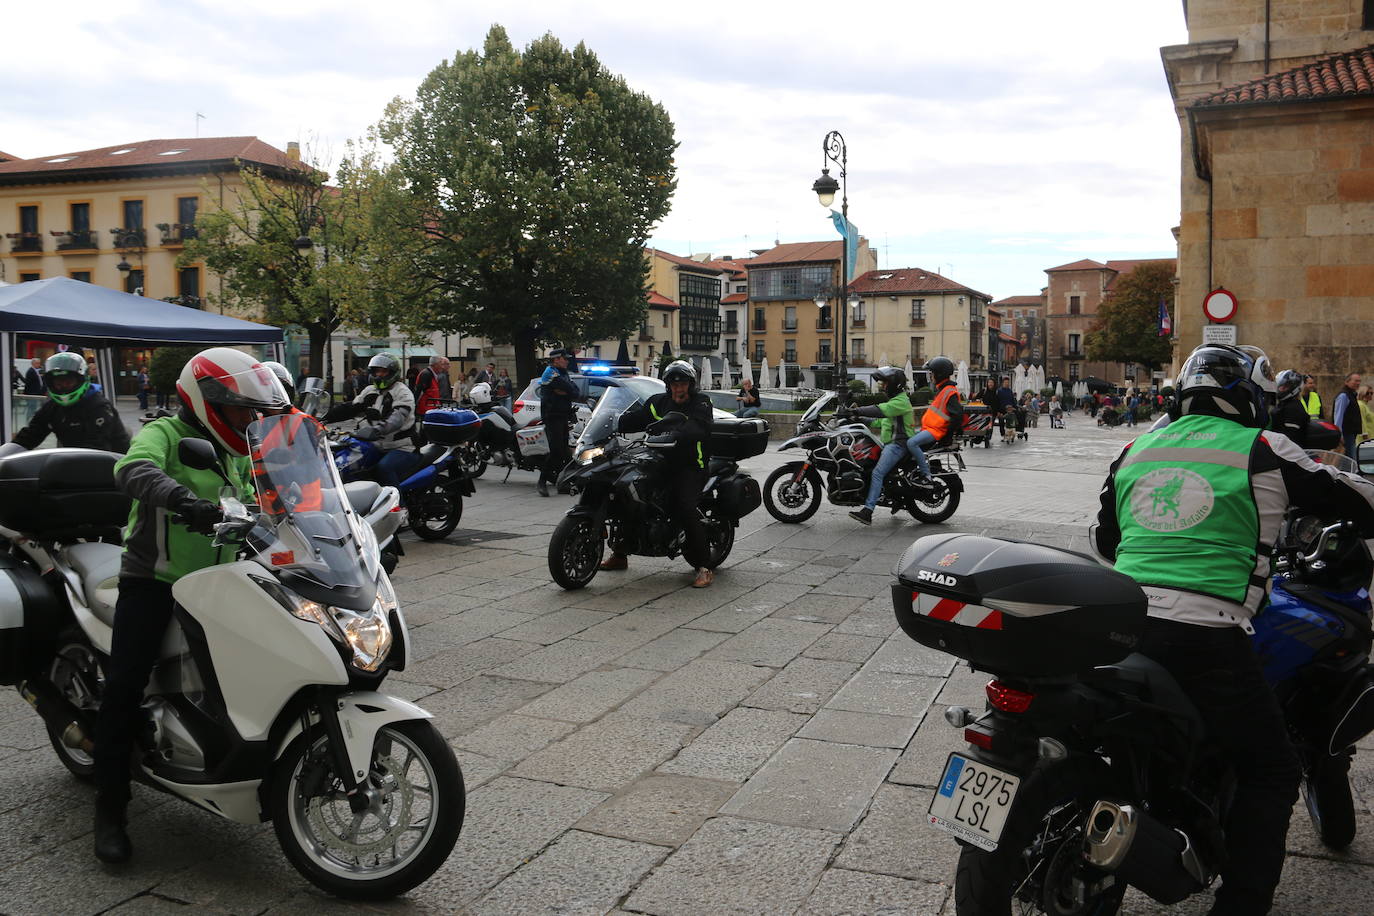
1071, 302
908, 313
1023, 318
1276, 108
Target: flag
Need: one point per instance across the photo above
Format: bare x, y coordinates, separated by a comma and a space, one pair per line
850, 233
1166, 326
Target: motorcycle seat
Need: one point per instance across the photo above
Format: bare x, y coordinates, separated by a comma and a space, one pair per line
430, 453
362, 494
1152, 682
97, 566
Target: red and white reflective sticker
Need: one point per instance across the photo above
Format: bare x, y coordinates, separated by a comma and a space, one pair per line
951, 611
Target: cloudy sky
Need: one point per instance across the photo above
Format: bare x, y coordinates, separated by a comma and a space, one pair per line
987, 139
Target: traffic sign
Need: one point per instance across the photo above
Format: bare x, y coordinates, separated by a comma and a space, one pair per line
1219, 305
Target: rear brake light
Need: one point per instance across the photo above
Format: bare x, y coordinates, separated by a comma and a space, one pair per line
978, 738
520, 405
1008, 699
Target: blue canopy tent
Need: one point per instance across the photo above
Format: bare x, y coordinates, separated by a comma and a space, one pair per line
72, 312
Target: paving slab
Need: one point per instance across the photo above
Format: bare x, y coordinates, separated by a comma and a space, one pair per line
770, 642
581, 874
460, 709
555, 625
462, 628
854, 893
739, 867
660, 809
813, 784
698, 693
560, 662
453, 666
512, 736
672, 650
607, 754
736, 746
843, 647
590, 696
888, 694
901, 654
869, 729
805, 685
750, 608
894, 839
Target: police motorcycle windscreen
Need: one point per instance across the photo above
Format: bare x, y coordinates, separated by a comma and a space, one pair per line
307, 531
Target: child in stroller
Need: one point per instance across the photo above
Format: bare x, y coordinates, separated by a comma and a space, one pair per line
1056, 414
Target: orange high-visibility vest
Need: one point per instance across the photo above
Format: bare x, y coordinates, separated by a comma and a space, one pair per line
936, 417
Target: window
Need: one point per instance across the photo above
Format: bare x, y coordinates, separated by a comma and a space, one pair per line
28, 219
83, 275
1073, 372
732, 322
188, 285
1368, 15
758, 350
81, 218
596, 351
789, 318
187, 208
79, 235
788, 282
665, 319
133, 215
860, 315
856, 349
918, 310
636, 349
741, 287
824, 355
699, 318
1075, 343
918, 348
760, 323
732, 349
133, 283
789, 351
1075, 305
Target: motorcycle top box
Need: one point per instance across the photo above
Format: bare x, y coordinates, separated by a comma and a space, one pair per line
451, 427
738, 439
1014, 608
62, 492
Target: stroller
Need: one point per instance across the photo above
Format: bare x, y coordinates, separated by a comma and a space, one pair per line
1057, 417
1013, 424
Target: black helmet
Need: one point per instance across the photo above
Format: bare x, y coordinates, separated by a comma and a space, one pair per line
679, 370
1223, 381
376, 366
940, 368
1289, 384
892, 378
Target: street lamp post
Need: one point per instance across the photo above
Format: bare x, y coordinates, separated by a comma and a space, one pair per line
313, 214
833, 149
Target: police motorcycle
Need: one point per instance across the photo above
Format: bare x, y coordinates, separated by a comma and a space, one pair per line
845, 451
267, 703
1089, 770
620, 498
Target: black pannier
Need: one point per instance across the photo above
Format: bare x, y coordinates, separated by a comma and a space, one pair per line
1016, 609
739, 495
739, 438
62, 492
30, 618
451, 427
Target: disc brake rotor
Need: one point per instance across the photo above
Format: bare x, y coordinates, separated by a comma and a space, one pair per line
348, 835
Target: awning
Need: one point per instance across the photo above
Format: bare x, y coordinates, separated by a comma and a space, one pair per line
419, 351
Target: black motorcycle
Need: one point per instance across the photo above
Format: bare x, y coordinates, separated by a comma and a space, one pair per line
846, 451
622, 499
1090, 770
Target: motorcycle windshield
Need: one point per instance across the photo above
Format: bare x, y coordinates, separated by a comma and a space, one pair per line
1340, 462
307, 531
601, 424
814, 411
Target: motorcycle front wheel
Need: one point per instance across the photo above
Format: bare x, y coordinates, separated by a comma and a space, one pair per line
575, 551
1326, 790
406, 831
936, 506
720, 540
434, 512
791, 500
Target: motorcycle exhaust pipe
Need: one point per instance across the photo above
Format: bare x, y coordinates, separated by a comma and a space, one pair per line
1130, 843
52, 706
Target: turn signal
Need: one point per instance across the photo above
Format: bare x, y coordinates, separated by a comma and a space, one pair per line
1008, 699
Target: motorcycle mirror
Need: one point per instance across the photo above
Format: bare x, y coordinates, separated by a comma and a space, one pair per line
200, 455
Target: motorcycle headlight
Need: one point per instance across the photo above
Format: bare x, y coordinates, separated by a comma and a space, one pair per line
368, 635
304, 608
591, 454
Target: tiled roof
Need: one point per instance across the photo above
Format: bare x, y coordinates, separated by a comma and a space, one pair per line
735, 299
660, 301
907, 280
1007, 338
6, 157
707, 266
154, 153
1018, 302
1122, 268
1085, 264
1350, 73
795, 252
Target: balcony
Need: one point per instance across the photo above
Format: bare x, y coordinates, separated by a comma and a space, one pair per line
825, 357
1071, 354
75, 240
789, 326
859, 361
918, 322
125, 239
645, 334
858, 321
174, 234
825, 324
25, 242
758, 328
731, 329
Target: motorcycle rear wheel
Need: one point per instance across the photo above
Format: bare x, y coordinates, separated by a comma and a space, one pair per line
791, 502
419, 806
435, 512
1326, 790
936, 510
720, 539
77, 674
575, 551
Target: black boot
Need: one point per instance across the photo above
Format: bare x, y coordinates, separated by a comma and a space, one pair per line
543, 488
111, 839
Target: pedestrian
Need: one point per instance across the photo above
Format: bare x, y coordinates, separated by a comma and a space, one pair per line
353, 384
1132, 403
1346, 413
141, 382
33, 378
487, 375
504, 390
556, 393
1035, 410
748, 399
429, 385
1366, 412
1056, 413
1310, 400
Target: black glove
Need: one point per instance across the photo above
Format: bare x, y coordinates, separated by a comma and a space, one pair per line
671, 421
199, 515
370, 399
366, 433
842, 411
371, 414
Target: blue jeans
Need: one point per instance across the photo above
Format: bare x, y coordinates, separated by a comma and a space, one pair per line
747, 412
916, 443
892, 455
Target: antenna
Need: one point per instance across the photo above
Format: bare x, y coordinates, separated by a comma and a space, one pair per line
199, 117
887, 256
777, 234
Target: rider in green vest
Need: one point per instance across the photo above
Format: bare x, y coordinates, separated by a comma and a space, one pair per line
1192, 512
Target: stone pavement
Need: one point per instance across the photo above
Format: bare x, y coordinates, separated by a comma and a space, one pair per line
767, 745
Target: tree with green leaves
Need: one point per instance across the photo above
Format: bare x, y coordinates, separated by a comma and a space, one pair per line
1127, 325
536, 178
346, 274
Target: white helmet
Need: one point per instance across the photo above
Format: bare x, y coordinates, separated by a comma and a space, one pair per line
222, 376
480, 394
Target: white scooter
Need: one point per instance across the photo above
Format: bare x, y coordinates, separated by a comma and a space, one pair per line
266, 703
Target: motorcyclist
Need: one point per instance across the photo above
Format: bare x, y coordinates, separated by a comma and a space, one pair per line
222, 391
1191, 511
556, 395
687, 414
389, 407
1290, 417
896, 421
943, 414
75, 412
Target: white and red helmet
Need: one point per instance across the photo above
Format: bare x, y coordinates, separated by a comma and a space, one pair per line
222, 375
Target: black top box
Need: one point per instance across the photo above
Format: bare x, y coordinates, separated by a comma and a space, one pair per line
62, 492
1016, 609
451, 427
738, 439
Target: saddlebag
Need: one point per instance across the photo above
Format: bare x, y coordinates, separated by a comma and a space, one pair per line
739, 495
451, 427
30, 618
738, 439
1014, 608
62, 492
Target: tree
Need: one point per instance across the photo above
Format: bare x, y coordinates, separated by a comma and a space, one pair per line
536, 178
345, 275
1127, 326
165, 367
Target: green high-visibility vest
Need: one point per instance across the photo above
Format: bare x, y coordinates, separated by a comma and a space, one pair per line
1186, 510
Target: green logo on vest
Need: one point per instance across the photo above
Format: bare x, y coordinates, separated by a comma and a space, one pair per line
1171, 499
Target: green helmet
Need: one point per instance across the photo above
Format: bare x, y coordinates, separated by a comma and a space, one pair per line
66, 377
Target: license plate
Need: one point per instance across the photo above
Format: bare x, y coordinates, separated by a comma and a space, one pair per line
973, 800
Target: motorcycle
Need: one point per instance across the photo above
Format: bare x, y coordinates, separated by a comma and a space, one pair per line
265, 704
501, 442
434, 484
1090, 771
621, 500
846, 451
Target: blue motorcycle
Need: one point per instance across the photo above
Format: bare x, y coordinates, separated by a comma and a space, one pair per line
433, 485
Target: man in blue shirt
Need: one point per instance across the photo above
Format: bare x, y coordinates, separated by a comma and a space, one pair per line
556, 394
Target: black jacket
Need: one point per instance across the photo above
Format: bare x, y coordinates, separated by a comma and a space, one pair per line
1290, 418
556, 394
693, 447
89, 423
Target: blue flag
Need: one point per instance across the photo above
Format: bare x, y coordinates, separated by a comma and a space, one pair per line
850, 233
